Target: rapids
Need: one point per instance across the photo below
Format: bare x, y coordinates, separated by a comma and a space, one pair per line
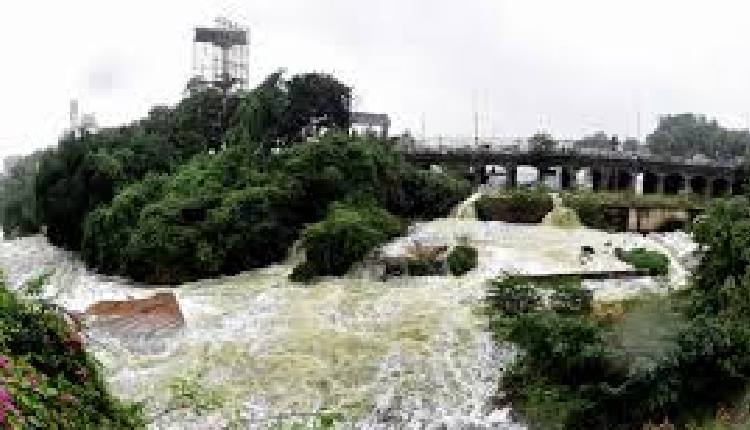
258, 350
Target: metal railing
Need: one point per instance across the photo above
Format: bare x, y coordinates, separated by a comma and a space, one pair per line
471, 150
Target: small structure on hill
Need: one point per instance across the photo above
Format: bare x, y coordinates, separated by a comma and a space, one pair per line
367, 123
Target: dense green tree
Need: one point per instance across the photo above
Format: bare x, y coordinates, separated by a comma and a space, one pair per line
194, 190
542, 142
316, 101
226, 212
19, 214
599, 141
688, 135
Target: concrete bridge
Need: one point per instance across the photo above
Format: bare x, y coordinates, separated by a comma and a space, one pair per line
606, 170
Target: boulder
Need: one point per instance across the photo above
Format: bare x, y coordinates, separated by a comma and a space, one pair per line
160, 310
425, 252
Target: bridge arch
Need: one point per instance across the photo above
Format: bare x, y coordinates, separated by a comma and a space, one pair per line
720, 187
674, 183
625, 180
699, 184
650, 182
738, 185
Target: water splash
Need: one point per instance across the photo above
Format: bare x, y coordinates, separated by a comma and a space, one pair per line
407, 353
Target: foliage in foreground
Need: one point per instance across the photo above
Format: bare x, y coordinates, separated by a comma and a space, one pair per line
528, 206
462, 259
47, 378
571, 375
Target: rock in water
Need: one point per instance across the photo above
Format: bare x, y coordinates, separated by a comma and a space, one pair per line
139, 316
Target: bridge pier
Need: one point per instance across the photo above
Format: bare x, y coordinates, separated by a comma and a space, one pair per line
661, 179
687, 187
511, 176
567, 177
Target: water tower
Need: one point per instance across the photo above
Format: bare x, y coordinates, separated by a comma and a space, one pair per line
220, 57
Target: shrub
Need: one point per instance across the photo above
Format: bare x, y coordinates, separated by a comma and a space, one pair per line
462, 259
527, 206
345, 236
47, 378
594, 211
654, 262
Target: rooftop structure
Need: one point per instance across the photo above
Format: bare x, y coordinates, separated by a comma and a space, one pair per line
365, 122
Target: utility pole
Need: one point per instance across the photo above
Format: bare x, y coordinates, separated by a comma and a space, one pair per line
424, 128
638, 126
476, 128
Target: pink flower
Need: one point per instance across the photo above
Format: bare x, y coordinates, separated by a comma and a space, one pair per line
6, 404
4, 396
4, 362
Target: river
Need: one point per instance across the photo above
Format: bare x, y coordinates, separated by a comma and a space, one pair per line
257, 350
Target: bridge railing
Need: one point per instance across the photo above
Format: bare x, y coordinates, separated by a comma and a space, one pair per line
468, 150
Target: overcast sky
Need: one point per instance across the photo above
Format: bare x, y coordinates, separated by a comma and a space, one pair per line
572, 67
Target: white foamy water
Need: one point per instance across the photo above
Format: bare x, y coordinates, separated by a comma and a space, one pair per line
409, 353
256, 349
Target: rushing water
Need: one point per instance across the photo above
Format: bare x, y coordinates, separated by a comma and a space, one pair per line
257, 349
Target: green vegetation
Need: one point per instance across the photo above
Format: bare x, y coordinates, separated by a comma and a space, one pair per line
81, 173
609, 210
594, 212
630, 199
527, 206
579, 371
46, 377
18, 205
602, 142
656, 263
224, 213
462, 259
200, 190
346, 235
688, 135
542, 142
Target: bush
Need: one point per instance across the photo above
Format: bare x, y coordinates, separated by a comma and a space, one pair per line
424, 194
594, 211
47, 378
515, 206
656, 263
345, 236
462, 259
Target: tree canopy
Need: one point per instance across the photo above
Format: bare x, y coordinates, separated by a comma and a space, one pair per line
688, 135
